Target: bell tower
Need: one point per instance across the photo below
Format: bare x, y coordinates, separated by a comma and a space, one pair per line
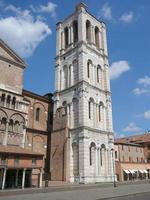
82, 89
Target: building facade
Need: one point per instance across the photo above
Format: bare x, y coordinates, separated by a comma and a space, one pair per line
131, 158
82, 101
23, 133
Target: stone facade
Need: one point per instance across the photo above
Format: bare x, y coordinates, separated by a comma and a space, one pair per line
82, 88
25, 125
132, 158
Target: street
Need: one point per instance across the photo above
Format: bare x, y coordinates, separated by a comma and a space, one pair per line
136, 190
143, 196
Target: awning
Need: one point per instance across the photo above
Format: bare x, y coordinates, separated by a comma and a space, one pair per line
131, 171
141, 171
145, 171
126, 171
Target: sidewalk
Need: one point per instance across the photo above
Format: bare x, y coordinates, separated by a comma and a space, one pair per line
78, 192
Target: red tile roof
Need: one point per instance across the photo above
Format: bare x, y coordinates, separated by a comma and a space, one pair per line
139, 139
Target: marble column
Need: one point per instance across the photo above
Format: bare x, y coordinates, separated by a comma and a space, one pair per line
41, 175
4, 178
6, 134
23, 177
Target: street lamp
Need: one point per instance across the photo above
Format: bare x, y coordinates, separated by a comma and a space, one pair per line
113, 163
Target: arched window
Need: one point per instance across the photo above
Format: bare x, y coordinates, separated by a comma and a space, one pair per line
13, 102
97, 37
100, 110
16, 126
75, 31
88, 31
3, 124
75, 111
88, 70
8, 101
98, 74
92, 153
89, 109
89, 64
10, 125
37, 114
65, 73
64, 104
102, 156
75, 71
3, 99
66, 37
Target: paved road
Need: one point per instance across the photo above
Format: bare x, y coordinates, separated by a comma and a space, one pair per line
143, 196
87, 193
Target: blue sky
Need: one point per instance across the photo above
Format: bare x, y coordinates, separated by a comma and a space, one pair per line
29, 28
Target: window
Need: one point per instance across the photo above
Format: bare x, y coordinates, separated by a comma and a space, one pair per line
10, 125
92, 153
3, 160
88, 69
66, 37
16, 126
102, 154
148, 147
100, 110
142, 160
8, 101
137, 159
3, 99
97, 37
33, 161
99, 113
122, 147
88, 31
65, 74
64, 104
75, 31
3, 124
37, 115
115, 154
89, 110
98, 74
13, 102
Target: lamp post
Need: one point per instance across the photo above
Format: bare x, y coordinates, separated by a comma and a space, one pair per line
113, 163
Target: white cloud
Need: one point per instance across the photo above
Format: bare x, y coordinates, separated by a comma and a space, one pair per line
147, 114
127, 17
139, 91
49, 8
106, 11
132, 127
12, 8
144, 81
144, 86
118, 68
23, 32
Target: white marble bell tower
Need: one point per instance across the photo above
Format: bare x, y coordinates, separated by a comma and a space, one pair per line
82, 86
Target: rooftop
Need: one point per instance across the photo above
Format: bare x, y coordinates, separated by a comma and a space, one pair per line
138, 139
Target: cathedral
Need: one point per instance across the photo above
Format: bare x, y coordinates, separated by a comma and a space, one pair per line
82, 138
68, 137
